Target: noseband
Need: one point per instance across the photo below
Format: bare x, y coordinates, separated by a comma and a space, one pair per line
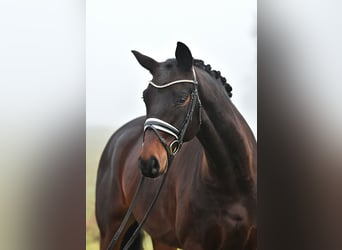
158, 125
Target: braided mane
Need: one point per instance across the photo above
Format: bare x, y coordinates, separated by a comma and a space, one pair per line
207, 68
214, 73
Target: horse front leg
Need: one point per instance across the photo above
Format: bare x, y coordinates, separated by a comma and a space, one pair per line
107, 237
193, 245
157, 245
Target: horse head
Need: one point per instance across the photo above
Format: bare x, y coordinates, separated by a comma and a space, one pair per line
173, 113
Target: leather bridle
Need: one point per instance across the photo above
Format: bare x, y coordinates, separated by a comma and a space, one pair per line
157, 125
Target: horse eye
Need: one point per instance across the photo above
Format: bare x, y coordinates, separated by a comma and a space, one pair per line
182, 99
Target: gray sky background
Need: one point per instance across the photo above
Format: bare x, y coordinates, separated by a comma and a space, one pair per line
222, 33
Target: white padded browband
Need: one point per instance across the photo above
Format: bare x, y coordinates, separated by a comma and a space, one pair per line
165, 85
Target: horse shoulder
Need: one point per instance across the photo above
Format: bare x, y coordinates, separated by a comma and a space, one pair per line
111, 167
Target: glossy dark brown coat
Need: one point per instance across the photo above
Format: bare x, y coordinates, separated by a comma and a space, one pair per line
208, 201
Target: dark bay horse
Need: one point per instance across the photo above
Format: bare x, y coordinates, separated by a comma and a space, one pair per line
208, 201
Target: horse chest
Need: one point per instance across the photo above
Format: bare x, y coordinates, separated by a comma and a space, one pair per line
211, 221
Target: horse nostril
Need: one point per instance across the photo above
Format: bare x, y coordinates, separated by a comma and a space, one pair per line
154, 166
154, 171
142, 164
149, 168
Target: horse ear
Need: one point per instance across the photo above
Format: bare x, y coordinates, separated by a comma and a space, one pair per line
183, 56
145, 61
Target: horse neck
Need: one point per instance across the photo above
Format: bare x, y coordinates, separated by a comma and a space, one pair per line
228, 142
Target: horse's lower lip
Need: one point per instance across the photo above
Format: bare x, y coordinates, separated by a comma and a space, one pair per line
151, 175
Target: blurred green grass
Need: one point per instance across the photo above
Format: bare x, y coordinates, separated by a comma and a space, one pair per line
96, 140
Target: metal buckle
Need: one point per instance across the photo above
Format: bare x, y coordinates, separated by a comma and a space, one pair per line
174, 147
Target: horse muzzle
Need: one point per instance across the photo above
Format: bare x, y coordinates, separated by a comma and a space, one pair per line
149, 168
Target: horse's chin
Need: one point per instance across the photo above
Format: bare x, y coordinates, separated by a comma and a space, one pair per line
153, 175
